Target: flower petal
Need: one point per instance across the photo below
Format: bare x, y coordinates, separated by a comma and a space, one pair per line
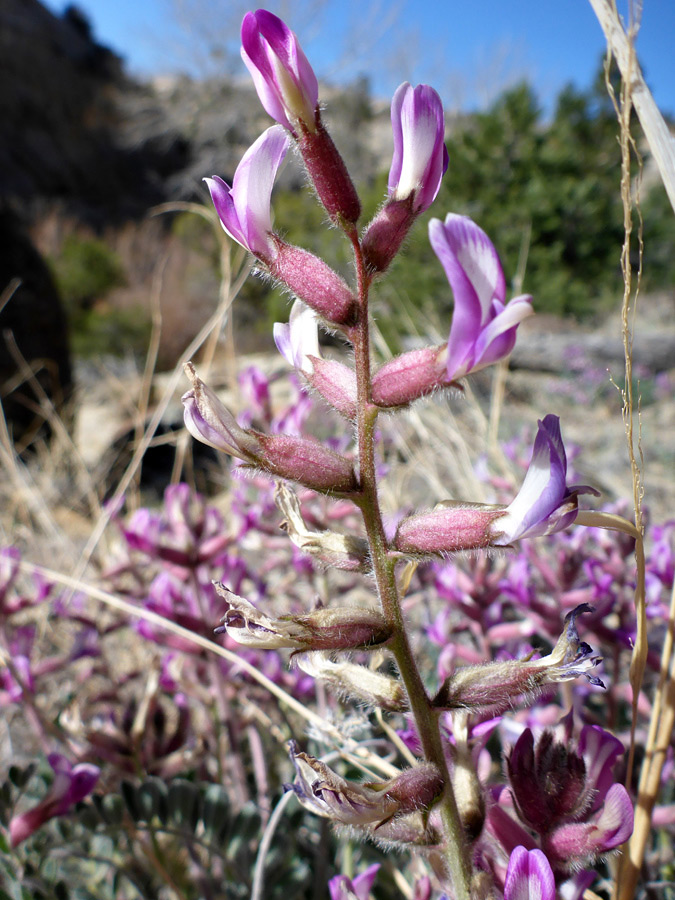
529, 876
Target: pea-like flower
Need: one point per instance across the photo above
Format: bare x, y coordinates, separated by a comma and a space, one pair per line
529, 876
71, 784
298, 341
544, 504
483, 327
420, 157
244, 208
284, 79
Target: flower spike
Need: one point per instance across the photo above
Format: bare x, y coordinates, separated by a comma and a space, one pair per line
483, 326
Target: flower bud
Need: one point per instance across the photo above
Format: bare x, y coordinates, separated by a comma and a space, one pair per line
322, 629
314, 282
410, 376
339, 551
448, 530
355, 681
336, 383
328, 173
494, 686
308, 462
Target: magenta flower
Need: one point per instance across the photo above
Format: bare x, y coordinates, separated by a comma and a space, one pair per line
71, 784
244, 208
544, 503
529, 876
483, 327
285, 81
343, 888
420, 157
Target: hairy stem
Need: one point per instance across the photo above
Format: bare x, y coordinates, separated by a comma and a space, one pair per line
426, 718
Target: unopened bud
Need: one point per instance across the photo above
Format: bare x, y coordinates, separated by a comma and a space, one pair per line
336, 383
339, 551
314, 282
410, 376
328, 173
308, 462
449, 529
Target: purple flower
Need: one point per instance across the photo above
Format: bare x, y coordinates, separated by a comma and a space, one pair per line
483, 327
544, 503
420, 156
71, 784
343, 888
529, 876
244, 208
285, 81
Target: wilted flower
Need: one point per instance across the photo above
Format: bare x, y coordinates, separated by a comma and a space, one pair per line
495, 686
210, 422
544, 503
285, 81
483, 327
71, 784
358, 682
244, 208
324, 792
529, 876
322, 629
328, 548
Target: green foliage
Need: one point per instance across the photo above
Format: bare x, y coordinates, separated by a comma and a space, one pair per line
548, 195
86, 270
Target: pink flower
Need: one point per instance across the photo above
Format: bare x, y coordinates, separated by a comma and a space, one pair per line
71, 784
244, 208
483, 327
285, 81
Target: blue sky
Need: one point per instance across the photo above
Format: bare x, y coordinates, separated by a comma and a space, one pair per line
470, 53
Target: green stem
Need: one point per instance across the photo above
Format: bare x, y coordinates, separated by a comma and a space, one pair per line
426, 717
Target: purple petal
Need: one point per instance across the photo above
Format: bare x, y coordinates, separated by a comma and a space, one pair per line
499, 337
529, 876
283, 78
420, 158
475, 274
244, 209
615, 823
544, 488
600, 750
